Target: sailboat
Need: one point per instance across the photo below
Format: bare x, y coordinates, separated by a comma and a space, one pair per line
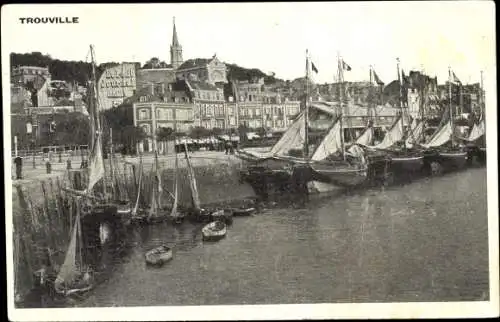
175, 216
399, 142
330, 161
476, 140
156, 212
443, 153
74, 277
99, 202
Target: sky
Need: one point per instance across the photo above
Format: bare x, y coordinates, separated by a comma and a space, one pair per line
427, 35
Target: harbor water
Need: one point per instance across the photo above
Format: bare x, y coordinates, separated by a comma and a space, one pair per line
422, 241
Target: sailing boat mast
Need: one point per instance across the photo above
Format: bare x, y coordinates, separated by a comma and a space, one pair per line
451, 109
481, 98
341, 83
306, 110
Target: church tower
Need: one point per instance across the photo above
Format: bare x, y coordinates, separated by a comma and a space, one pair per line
175, 50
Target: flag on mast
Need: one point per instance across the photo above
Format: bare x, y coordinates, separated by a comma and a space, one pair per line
314, 68
377, 79
454, 78
345, 66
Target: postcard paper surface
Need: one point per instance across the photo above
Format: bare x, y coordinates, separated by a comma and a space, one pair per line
250, 160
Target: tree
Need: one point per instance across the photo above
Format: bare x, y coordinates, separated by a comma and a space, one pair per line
199, 132
163, 134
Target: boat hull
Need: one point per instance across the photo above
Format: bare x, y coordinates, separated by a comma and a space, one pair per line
406, 166
438, 162
214, 231
159, 256
341, 175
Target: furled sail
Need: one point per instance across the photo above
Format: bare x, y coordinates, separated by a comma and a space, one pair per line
331, 143
293, 138
69, 271
173, 213
440, 137
139, 187
477, 131
96, 165
415, 133
192, 181
392, 136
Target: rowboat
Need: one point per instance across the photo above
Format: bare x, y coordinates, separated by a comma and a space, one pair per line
240, 212
159, 255
214, 231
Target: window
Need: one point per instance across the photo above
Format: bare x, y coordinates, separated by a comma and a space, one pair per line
159, 113
143, 114
257, 111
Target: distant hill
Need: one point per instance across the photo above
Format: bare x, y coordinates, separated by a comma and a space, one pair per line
67, 70
80, 71
236, 72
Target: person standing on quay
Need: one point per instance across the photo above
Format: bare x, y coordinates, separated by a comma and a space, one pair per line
19, 167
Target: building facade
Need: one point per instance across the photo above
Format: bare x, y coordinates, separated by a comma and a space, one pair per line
210, 71
270, 116
172, 108
116, 84
25, 74
209, 104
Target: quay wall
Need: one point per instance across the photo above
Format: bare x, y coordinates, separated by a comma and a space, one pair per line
43, 213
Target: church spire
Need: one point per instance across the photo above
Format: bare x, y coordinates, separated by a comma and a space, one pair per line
175, 41
175, 49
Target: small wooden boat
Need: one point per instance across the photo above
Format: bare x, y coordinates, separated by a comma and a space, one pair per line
241, 212
214, 231
159, 255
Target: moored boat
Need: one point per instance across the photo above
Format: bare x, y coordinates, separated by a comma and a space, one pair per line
159, 255
214, 231
74, 276
242, 212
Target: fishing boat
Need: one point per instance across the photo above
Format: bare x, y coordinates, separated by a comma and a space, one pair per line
312, 149
398, 144
476, 143
243, 212
175, 215
442, 152
214, 231
156, 212
74, 277
159, 255
100, 201
331, 162
476, 140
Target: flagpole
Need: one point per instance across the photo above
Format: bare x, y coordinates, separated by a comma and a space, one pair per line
341, 82
481, 106
306, 110
400, 97
451, 109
